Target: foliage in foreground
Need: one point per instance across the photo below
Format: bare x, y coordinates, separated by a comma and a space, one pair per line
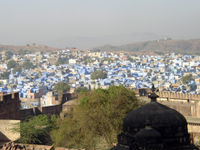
36, 130
97, 118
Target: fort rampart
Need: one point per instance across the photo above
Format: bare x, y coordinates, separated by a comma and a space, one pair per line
10, 106
179, 96
167, 95
50, 110
186, 104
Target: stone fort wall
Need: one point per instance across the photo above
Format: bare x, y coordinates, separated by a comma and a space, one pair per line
10, 106
186, 109
180, 96
169, 95
186, 104
50, 110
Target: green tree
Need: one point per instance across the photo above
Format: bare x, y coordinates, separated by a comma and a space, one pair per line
61, 87
81, 89
63, 60
186, 79
17, 69
98, 74
28, 65
12, 64
97, 118
5, 75
36, 130
23, 52
9, 55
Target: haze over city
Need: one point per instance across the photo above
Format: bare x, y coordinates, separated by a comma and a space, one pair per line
91, 23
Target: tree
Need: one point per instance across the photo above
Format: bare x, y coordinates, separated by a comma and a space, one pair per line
23, 52
61, 87
130, 59
98, 74
36, 130
28, 65
17, 69
81, 89
12, 64
97, 118
186, 79
9, 55
193, 87
5, 75
62, 61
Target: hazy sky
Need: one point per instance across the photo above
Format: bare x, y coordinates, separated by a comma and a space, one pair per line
37, 20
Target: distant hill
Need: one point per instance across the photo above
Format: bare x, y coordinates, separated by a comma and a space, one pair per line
88, 42
28, 47
158, 46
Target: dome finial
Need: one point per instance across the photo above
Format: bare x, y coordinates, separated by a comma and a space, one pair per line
153, 89
153, 96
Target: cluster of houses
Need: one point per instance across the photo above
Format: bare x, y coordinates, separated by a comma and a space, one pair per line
75, 67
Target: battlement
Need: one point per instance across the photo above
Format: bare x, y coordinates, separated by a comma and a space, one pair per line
181, 96
9, 106
48, 110
168, 94
5, 98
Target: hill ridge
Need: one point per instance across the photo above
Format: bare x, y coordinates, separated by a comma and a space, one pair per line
191, 46
28, 47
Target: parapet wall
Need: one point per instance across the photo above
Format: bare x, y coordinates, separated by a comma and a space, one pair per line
168, 95
180, 96
9, 106
186, 104
7, 97
50, 110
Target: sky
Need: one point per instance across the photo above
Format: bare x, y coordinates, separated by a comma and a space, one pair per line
23, 21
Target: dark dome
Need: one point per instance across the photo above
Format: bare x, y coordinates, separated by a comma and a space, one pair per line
154, 127
148, 136
148, 133
158, 117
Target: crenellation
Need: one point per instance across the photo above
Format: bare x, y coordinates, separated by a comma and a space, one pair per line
49, 110
9, 106
9, 97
